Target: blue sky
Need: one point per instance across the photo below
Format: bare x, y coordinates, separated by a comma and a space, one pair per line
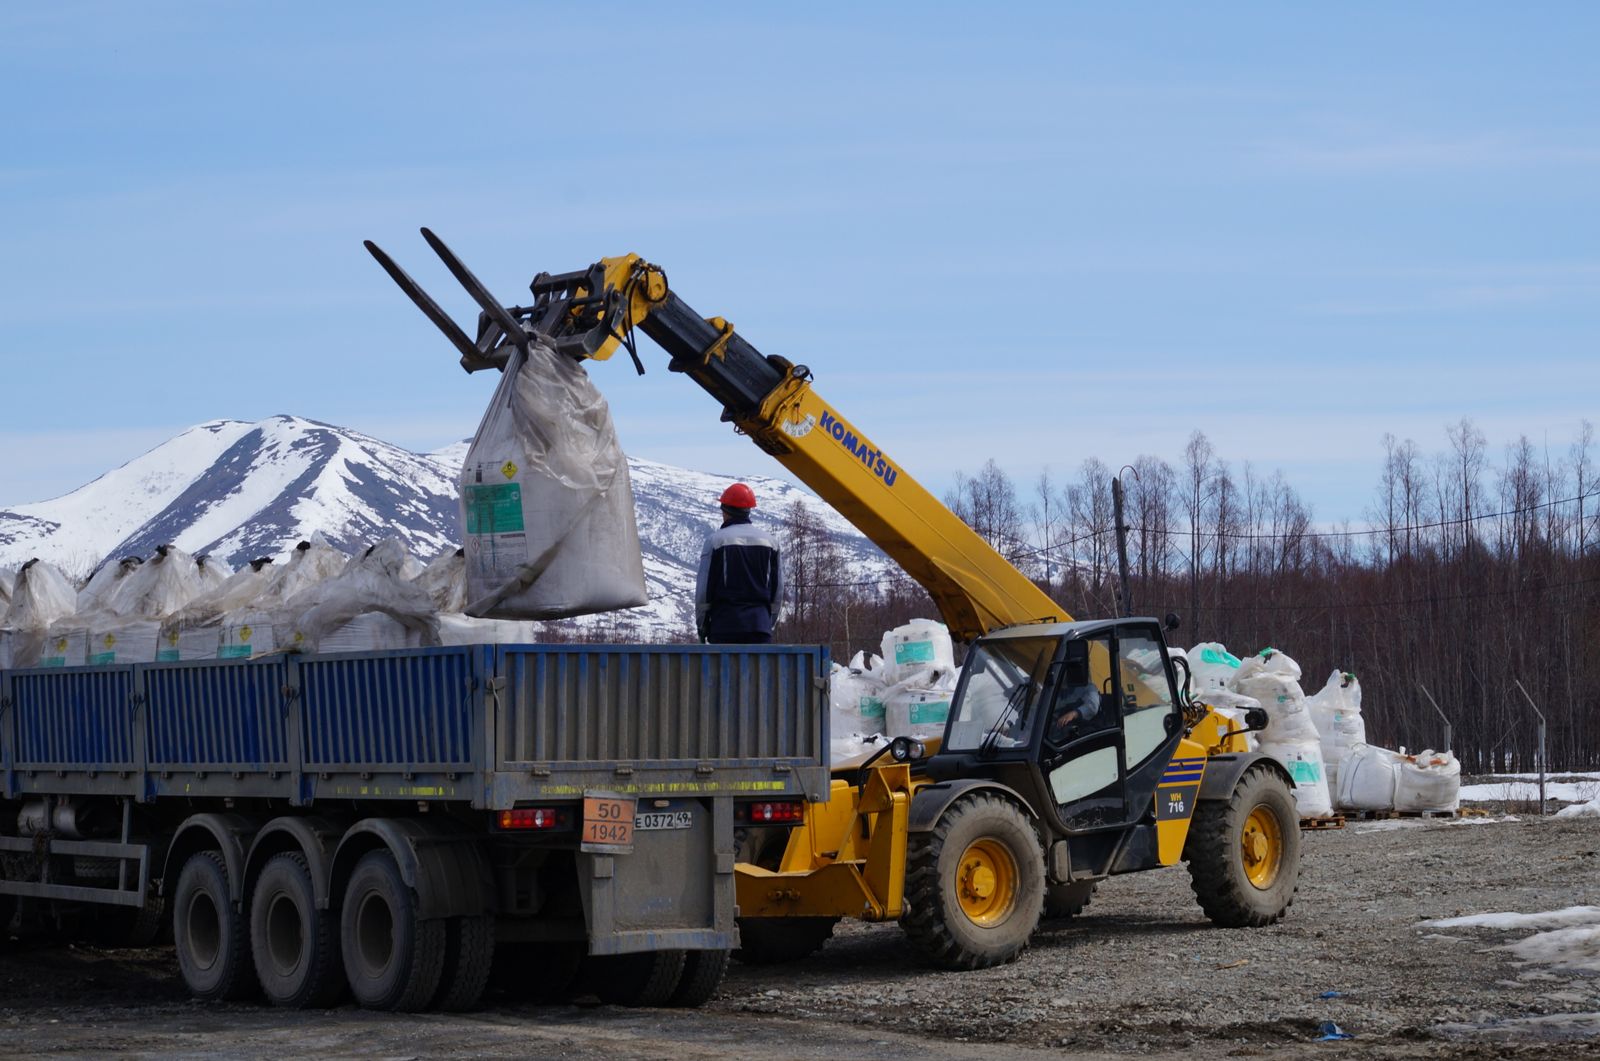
1038, 234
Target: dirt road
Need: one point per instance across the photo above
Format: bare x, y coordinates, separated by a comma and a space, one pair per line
1140, 973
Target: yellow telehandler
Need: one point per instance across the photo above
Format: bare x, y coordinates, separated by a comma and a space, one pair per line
1072, 751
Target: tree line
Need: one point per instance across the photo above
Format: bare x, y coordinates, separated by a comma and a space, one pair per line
1472, 571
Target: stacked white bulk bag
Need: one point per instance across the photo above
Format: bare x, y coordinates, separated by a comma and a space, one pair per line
915, 650
1212, 669
126, 625
1336, 712
855, 707
1272, 678
8, 582
444, 580
1429, 781
96, 593
920, 712
546, 503
41, 598
458, 629
372, 604
197, 631
310, 562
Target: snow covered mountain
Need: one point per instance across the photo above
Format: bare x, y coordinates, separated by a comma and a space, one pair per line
238, 490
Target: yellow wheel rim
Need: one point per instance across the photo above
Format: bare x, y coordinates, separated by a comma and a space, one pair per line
1262, 845
986, 882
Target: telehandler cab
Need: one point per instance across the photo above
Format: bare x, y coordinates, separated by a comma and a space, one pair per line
1072, 752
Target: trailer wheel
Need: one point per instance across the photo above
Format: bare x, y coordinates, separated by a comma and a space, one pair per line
392, 959
771, 940
702, 975
468, 957
647, 978
974, 884
1244, 852
1063, 901
537, 972
296, 946
211, 937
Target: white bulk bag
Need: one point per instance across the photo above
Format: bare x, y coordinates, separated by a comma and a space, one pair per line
913, 712
1267, 661
1303, 760
546, 503
187, 641
1428, 781
1367, 778
41, 597
445, 581
918, 647
1288, 719
310, 562
1212, 665
458, 629
160, 586
121, 639
855, 701
65, 645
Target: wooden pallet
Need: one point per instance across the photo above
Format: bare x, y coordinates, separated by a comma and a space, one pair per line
1317, 824
1389, 815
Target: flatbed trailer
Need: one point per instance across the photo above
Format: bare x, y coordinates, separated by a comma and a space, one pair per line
379, 822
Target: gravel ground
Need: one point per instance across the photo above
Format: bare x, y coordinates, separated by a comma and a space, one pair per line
1141, 972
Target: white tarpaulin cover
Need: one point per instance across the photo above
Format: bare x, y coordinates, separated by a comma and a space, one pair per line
375, 581
546, 502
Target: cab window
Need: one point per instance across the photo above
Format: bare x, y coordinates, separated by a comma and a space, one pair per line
1145, 694
999, 692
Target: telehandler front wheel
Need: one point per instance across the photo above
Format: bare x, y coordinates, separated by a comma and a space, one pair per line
974, 884
1244, 852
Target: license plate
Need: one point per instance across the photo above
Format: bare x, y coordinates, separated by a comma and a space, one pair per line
607, 823
663, 819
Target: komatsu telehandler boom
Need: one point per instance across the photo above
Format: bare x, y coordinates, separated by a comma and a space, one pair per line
1072, 751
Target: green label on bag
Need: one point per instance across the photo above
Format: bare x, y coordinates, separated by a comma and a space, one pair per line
1304, 773
234, 652
1211, 655
913, 652
936, 711
494, 508
166, 655
100, 659
871, 707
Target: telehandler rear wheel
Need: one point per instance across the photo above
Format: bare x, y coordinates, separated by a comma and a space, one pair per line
974, 884
1244, 852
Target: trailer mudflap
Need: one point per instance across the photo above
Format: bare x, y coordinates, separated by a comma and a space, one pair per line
673, 890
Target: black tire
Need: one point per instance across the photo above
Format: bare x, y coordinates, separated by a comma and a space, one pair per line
128, 926
392, 959
211, 937
771, 940
468, 958
647, 978
979, 833
703, 971
1064, 901
296, 946
537, 972
1216, 852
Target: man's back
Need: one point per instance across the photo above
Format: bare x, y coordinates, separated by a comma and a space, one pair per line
739, 583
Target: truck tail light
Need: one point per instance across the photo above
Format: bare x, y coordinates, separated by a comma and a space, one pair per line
771, 812
534, 818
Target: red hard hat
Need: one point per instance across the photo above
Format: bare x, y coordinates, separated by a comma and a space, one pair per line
738, 496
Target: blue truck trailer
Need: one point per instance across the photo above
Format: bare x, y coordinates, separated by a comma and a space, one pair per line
378, 823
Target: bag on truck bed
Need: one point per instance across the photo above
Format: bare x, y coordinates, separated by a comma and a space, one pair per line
546, 503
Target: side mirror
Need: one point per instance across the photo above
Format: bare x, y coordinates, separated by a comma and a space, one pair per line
1172, 622
1255, 719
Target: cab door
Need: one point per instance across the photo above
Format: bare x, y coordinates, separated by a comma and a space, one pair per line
1102, 765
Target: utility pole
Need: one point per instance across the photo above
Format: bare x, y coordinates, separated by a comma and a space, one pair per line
1518, 683
1122, 545
1448, 731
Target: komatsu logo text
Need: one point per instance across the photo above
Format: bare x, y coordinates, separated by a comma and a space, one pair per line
874, 460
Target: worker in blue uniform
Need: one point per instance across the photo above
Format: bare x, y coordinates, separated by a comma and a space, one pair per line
740, 580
